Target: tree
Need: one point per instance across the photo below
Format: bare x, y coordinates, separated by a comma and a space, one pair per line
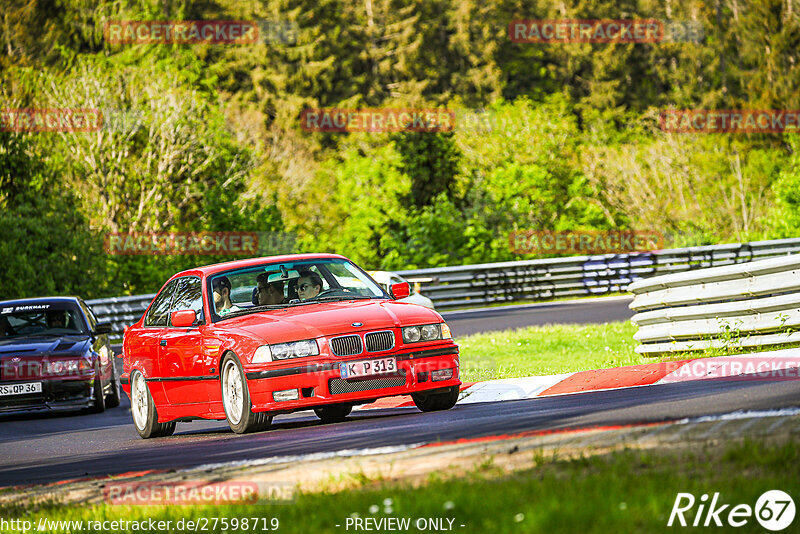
47, 246
431, 160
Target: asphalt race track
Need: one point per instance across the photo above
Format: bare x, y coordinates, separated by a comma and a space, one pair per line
50, 449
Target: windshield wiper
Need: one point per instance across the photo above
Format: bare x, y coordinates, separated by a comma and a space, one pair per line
39, 334
342, 297
293, 303
256, 309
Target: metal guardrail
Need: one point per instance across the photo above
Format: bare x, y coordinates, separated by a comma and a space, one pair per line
466, 286
489, 283
748, 305
120, 311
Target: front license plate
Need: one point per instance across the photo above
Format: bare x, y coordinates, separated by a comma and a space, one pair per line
380, 366
20, 389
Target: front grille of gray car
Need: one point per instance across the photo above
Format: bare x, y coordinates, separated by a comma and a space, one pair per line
379, 341
347, 345
338, 386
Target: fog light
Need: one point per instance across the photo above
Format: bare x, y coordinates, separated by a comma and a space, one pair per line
441, 374
286, 395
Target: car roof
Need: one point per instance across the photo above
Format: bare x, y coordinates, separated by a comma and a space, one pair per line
37, 300
239, 264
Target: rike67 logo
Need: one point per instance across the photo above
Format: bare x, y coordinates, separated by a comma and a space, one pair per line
774, 510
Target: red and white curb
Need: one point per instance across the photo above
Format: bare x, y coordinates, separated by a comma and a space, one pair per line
768, 366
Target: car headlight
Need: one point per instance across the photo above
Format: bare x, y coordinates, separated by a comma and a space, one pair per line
284, 351
427, 332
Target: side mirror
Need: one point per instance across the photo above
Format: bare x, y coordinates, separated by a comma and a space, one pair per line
102, 328
400, 291
183, 318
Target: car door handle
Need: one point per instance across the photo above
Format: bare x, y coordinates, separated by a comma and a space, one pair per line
163, 343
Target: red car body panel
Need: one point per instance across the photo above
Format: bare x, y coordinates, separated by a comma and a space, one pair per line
182, 365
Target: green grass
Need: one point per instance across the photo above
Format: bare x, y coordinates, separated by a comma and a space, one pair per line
626, 491
547, 350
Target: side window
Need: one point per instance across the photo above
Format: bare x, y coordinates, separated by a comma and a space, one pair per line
189, 296
159, 310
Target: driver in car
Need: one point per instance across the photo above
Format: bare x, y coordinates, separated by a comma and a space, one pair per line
56, 319
309, 285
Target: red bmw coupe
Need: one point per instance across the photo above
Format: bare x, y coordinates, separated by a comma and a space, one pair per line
250, 339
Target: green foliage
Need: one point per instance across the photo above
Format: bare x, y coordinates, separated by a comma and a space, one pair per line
431, 161
785, 220
362, 195
47, 247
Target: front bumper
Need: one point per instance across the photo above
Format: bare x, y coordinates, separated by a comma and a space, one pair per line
55, 395
321, 383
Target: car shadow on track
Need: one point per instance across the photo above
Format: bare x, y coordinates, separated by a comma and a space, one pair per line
34, 424
290, 422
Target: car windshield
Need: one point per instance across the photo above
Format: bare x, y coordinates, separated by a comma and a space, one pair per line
286, 284
40, 319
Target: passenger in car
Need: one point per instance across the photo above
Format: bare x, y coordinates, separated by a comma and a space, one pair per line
269, 293
222, 296
309, 285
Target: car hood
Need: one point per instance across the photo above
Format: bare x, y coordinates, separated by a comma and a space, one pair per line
331, 319
36, 346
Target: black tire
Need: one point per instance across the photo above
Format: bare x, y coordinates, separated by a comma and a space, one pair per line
433, 402
113, 399
333, 413
245, 420
99, 394
147, 424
